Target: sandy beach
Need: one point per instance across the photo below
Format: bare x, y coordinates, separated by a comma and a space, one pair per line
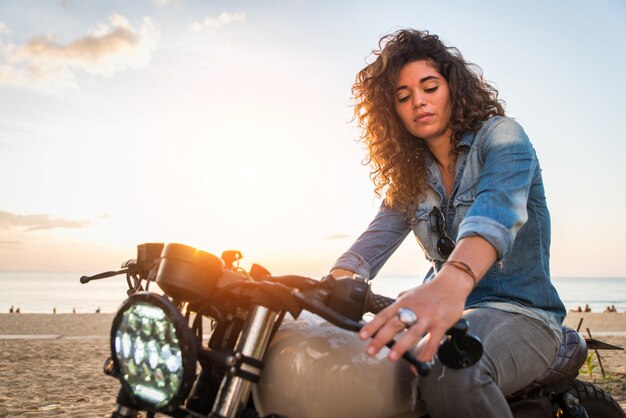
51, 365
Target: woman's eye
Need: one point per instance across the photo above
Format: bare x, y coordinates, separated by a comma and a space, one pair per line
431, 89
403, 99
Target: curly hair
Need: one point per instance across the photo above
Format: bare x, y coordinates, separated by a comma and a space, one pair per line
395, 156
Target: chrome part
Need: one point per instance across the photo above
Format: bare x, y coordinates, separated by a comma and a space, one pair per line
126, 412
253, 341
359, 278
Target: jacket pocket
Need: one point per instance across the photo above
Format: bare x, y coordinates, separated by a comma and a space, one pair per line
462, 202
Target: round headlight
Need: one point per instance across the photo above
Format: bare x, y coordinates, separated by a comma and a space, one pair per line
153, 350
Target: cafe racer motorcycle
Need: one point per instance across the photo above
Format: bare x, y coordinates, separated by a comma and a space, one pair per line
214, 340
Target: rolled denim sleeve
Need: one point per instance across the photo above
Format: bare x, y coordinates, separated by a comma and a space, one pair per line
499, 208
374, 247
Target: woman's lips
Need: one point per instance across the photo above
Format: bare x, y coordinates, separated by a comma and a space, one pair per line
423, 117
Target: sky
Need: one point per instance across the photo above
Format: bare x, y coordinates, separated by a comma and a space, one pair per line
228, 125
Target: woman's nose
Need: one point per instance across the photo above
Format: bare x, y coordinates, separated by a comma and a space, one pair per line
418, 100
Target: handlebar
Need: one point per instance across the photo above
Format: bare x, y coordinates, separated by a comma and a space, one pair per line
341, 301
104, 275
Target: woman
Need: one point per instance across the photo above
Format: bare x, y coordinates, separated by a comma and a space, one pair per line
465, 179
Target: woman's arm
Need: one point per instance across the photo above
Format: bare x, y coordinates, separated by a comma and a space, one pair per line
374, 247
509, 165
485, 235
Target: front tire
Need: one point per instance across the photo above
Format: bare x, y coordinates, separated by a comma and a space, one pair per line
597, 402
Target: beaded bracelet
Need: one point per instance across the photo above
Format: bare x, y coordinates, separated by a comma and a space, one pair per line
463, 267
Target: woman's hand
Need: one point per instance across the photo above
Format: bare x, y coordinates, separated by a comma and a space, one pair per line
438, 305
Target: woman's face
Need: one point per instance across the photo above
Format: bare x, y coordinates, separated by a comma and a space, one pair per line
423, 101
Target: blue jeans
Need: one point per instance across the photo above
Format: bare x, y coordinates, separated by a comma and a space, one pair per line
517, 349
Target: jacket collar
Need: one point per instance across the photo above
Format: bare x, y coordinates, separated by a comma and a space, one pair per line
466, 140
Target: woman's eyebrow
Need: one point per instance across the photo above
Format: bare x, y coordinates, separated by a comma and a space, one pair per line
422, 80
428, 77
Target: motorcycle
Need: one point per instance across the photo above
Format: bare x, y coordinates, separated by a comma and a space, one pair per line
287, 346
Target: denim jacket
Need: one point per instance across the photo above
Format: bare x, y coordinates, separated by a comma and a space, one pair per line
497, 194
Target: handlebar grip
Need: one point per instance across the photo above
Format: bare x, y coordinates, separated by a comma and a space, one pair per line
377, 303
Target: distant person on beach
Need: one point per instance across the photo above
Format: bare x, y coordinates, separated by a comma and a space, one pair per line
17, 310
11, 310
587, 308
98, 310
54, 310
465, 180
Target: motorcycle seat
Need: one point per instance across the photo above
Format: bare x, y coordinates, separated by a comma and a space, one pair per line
570, 358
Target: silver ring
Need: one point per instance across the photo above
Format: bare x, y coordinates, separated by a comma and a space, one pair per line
407, 317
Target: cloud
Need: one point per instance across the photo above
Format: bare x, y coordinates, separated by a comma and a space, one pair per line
224, 18
37, 222
106, 51
338, 236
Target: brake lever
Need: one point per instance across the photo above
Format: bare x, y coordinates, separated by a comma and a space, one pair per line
104, 275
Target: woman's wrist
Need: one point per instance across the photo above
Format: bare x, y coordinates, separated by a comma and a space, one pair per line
339, 272
460, 280
465, 268
470, 260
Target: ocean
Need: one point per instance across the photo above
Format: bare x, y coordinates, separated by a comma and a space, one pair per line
41, 292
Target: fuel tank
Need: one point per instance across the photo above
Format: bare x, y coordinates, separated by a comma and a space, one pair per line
314, 369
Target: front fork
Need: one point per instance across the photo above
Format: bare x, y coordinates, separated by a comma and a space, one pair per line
252, 344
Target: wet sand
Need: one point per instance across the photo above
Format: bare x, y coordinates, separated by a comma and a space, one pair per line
51, 365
